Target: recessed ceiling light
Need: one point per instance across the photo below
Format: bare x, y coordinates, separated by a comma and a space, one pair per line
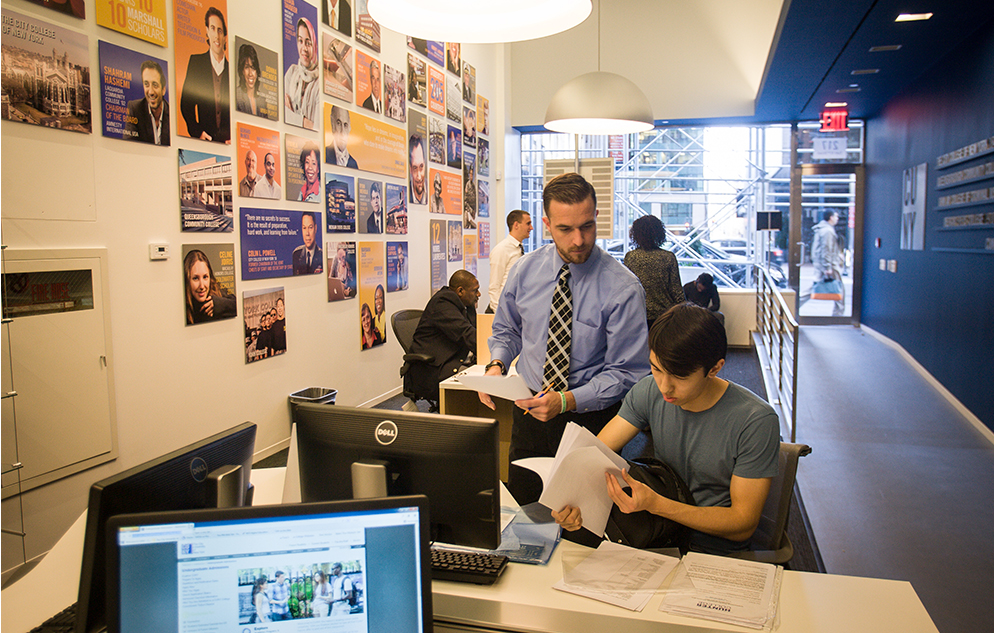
836, 104
865, 71
912, 17
884, 49
854, 85
841, 90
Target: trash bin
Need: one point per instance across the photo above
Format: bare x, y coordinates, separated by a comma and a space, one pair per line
315, 395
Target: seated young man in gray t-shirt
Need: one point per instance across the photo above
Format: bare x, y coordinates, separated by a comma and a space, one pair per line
722, 439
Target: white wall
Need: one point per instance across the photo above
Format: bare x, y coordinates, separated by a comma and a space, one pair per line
177, 384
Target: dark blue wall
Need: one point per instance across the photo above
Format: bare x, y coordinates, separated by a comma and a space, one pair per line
939, 306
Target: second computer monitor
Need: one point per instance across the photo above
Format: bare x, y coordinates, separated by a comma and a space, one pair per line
452, 460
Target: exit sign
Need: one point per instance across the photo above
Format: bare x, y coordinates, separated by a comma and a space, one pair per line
835, 121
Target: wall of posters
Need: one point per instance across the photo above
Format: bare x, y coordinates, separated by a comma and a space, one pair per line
259, 171
145, 20
256, 72
302, 84
303, 170
369, 144
280, 243
201, 35
446, 196
209, 282
438, 236
60, 58
134, 104
205, 184
396, 208
341, 271
265, 323
397, 266
338, 60
373, 321
340, 203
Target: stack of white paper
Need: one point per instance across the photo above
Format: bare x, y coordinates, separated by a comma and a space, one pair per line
725, 589
618, 575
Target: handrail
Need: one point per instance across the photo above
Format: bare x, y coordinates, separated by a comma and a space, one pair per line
778, 332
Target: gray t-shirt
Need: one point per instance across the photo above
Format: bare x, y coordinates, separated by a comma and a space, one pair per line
739, 435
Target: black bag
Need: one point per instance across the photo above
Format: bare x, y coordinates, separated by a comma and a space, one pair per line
644, 530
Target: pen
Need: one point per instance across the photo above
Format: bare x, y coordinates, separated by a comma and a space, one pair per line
540, 394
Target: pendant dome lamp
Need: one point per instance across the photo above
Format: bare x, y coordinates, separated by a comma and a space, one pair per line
479, 21
599, 103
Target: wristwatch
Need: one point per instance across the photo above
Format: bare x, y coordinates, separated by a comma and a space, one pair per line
495, 362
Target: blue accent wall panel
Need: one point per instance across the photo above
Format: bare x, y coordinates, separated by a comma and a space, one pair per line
939, 306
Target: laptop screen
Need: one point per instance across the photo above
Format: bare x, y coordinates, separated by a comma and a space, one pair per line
361, 566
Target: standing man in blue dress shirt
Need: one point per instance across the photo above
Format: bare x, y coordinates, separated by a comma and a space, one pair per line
609, 349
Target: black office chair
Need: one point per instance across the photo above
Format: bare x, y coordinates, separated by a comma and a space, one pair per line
416, 369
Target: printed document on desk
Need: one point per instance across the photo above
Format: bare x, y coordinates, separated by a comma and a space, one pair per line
618, 575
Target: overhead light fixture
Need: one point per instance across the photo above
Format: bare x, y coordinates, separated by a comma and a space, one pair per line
912, 17
479, 21
836, 104
885, 49
841, 90
599, 103
865, 71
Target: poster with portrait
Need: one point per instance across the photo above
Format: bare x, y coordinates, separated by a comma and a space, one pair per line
483, 198
396, 208
145, 20
373, 322
265, 323
200, 40
469, 197
417, 80
134, 105
483, 240
302, 84
368, 82
370, 214
256, 74
446, 192
75, 8
258, 163
469, 253
437, 238
483, 115
209, 282
280, 243
303, 170
361, 142
36, 56
436, 140
453, 100
453, 58
469, 126
367, 30
337, 58
469, 84
436, 91
395, 93
483, 157
205, 192
417, 157
455, 241
341, 271
436, 52
454, 148
397, 266
337, 14
339, 205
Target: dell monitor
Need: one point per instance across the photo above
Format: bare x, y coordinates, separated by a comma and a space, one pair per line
210, 473
344, 453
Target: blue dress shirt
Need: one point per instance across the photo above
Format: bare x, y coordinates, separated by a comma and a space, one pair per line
609, 351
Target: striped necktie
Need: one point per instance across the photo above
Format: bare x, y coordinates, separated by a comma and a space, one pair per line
556, 371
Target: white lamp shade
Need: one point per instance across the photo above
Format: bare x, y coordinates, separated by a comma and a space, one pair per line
479, 21
599, 103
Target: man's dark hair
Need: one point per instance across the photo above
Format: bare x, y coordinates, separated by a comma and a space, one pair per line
461, 279
268, 154
374, 187
686, 338
648, 233
413, 142
308, 214
514, 217
278, 574
706, 279
827, 215
567, 189
148, 63
215, 11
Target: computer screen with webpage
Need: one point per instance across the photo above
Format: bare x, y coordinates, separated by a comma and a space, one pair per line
351, 566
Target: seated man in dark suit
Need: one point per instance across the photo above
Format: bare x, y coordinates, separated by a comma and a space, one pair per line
447, 332
148, 118
704, 293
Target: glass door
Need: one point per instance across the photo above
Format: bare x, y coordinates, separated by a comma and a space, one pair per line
826, 234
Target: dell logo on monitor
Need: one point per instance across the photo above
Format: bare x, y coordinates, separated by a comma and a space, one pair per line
386, 432
198, 468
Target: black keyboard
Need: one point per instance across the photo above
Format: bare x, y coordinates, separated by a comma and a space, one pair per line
62, 622
474, 567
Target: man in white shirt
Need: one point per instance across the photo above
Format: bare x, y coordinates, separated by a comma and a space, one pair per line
267, 187
341, 587
508, 251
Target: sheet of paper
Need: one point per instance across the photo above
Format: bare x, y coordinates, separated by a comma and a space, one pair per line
510, 387
618, 575
578, 481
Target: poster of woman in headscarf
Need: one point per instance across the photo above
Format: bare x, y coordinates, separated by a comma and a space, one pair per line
302, 74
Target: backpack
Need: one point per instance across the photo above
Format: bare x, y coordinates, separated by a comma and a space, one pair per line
644, 530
